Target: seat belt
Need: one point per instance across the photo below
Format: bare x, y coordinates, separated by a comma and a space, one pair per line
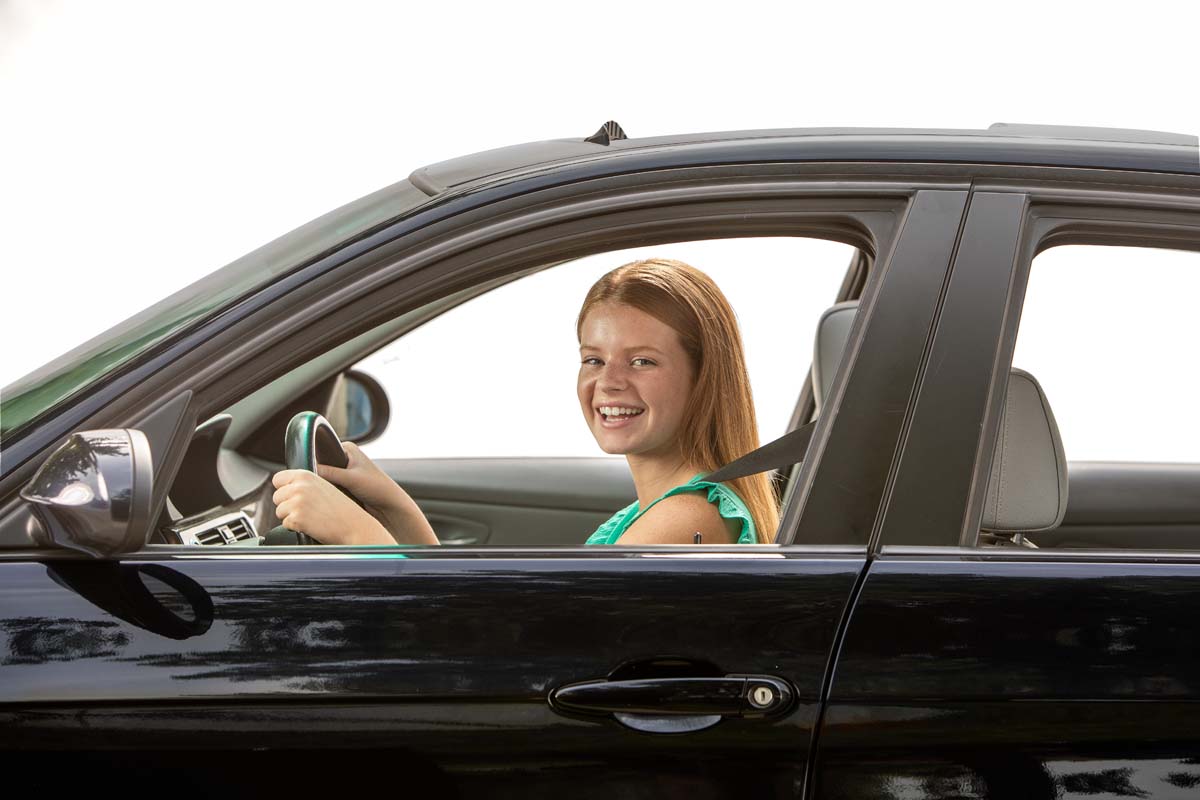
783, 452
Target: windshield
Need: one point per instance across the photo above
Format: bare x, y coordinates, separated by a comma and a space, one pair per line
27, 399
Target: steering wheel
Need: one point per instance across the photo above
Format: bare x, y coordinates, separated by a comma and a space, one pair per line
309, 440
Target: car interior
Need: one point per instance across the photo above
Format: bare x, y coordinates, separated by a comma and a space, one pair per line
221, 494
1035, 497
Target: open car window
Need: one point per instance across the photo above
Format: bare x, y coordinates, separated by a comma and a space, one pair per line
1107, 338
484, 429
495, 376
1112, 335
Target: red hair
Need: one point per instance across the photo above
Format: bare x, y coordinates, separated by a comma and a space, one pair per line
719, 423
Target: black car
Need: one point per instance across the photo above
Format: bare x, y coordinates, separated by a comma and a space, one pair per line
951, 608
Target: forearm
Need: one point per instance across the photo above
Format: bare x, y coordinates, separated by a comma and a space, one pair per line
404, 520
372, 531
397, 516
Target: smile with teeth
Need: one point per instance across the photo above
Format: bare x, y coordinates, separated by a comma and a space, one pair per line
619, 413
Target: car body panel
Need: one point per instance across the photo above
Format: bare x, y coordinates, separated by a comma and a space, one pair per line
841, 496
938, 458
1008, 145
446, 659
1025, 670
1026, 673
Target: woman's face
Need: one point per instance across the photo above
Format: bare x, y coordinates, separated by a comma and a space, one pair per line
634, 381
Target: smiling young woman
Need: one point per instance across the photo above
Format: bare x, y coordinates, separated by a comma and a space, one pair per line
662, 381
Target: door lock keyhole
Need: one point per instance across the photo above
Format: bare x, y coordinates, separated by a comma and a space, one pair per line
762, 696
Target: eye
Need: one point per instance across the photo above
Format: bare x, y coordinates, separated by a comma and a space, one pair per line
642, 362
592, 361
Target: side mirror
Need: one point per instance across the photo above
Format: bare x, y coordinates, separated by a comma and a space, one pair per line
358, 408
93, 493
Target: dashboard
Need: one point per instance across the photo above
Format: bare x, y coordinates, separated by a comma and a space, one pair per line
219, 496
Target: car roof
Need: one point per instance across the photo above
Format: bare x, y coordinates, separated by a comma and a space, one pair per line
1002, 143
526, 167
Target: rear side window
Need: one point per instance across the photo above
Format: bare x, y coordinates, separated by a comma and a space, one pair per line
1113, 336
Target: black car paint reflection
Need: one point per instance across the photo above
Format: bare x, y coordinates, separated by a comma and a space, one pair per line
1018, 775
1040, 678
405, 627
367, 651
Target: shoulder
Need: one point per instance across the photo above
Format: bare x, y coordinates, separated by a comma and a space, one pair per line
676, 520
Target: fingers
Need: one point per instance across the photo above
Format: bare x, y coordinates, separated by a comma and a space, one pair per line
302, 514
356, 458
353, 475
359, 461
284, 477
280, 495
310, 504
285, 512
335, 475
293, 523
297, 490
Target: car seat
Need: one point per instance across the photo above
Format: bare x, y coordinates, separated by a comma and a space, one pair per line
1027, 482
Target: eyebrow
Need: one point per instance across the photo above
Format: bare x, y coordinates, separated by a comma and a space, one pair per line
636, 347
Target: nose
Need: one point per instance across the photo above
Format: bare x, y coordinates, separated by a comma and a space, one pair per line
613, 377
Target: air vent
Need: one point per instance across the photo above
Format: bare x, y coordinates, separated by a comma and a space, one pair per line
224, 530
210, 537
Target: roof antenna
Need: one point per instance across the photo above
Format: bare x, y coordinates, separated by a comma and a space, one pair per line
609, 132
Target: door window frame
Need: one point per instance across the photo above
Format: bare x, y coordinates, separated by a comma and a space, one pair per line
980, 328
541, 227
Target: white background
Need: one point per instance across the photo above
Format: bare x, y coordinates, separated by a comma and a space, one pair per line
148, 143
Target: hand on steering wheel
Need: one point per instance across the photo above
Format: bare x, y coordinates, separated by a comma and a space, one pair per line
310, 440
305, 500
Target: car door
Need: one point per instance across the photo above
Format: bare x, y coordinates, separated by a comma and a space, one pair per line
975, 665
487, 672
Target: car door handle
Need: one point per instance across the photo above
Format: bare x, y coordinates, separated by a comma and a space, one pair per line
731, 696
458, 541
452, 530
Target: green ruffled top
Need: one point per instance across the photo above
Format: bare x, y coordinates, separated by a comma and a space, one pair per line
728, 504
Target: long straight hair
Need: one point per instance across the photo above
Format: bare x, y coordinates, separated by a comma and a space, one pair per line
719, 423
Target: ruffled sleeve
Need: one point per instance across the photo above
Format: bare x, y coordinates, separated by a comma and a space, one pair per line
729, 505
610, 531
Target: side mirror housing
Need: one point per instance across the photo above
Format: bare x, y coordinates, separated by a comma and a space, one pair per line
93, 493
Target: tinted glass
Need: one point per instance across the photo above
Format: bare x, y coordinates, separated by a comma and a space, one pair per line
28, 398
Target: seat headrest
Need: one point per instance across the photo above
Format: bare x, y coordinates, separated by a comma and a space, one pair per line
1027, 485
833, 331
